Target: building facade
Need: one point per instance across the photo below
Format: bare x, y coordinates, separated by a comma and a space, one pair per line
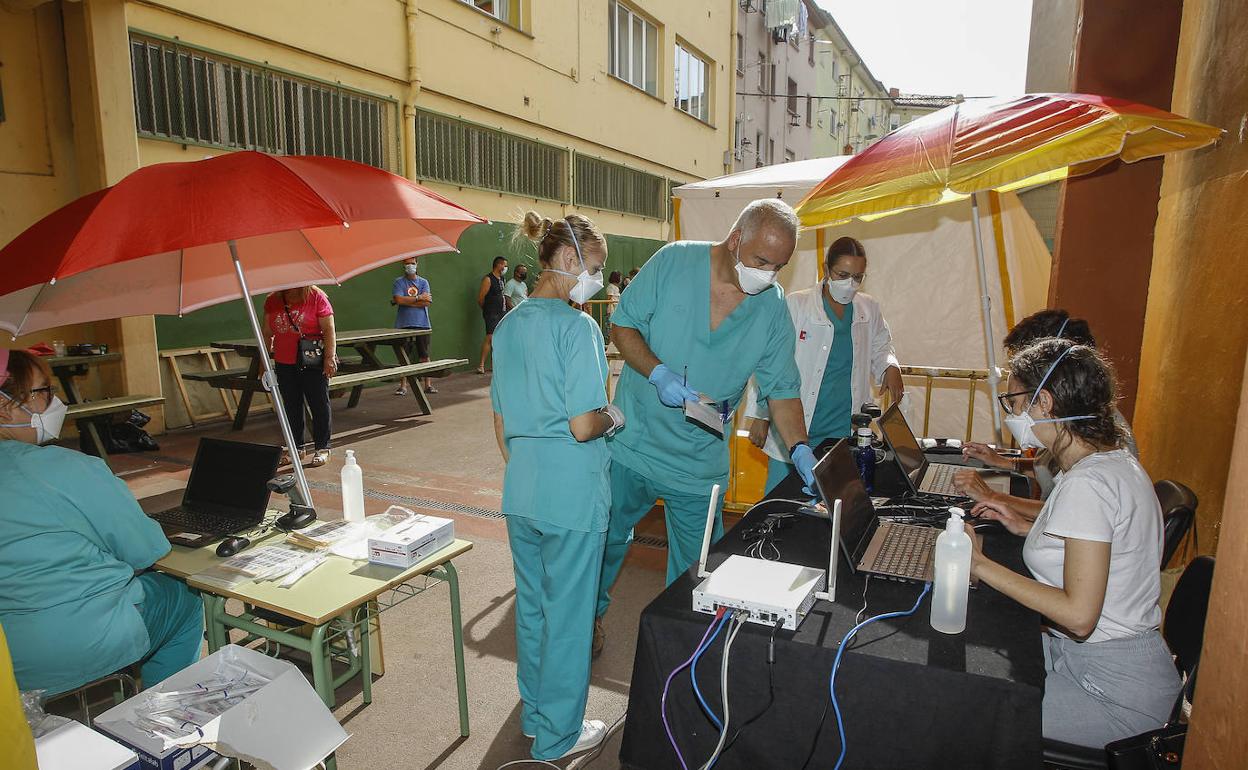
802, 89
597, 107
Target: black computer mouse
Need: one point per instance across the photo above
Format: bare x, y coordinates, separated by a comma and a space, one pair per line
231, 546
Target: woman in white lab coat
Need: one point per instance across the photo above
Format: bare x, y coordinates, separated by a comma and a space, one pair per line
843, 348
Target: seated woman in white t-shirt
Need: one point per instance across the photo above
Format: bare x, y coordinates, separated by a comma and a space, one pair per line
1094, 551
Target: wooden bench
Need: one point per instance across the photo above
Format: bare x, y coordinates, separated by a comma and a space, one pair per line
355, 381
87, 413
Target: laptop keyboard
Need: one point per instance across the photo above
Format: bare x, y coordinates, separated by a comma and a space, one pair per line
939, 479
196, 521
907, 551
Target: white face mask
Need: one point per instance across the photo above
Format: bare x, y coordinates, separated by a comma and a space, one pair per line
1021, 425
587, 285
410, 270
47, 424
502, 272
843, 291
753, 280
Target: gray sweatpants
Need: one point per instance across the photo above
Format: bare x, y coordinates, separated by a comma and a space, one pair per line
1097, 692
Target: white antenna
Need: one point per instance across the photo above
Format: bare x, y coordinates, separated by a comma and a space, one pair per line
830, 594
706, 536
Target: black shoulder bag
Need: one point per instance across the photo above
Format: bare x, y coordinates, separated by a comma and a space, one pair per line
311, 349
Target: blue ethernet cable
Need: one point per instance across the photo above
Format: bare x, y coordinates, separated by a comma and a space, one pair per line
693, 671
836, 663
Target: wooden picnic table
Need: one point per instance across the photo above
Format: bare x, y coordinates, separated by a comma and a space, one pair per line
354, 377
91, 416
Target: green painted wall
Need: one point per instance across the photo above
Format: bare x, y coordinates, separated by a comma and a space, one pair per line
364, 301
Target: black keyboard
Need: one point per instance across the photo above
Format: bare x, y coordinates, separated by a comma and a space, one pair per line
198, 521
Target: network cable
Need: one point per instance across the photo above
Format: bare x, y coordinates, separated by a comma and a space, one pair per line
771, 686
738, 622
693, 674
667, 685
836, 663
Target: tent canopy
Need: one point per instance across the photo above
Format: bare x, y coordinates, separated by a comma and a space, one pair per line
921, 267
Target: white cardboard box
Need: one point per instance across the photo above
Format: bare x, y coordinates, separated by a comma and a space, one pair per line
407, 544
74, 746
283, 725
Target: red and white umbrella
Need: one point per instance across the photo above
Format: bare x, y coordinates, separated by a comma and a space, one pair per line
176, 237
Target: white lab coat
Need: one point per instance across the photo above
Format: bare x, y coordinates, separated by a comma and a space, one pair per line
872, 343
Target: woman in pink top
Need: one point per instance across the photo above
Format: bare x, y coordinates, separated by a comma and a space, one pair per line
288, 316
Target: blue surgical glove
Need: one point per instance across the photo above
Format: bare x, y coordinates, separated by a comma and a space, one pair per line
804, 459
672, 389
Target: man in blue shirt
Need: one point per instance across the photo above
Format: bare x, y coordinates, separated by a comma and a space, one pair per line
412, 297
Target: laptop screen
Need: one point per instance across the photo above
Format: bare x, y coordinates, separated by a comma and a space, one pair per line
232, 475
836, 476
899, 436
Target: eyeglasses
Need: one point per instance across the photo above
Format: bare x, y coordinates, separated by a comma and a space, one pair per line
1004, 399
841, 275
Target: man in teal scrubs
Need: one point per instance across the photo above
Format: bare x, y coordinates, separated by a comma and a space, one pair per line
700, 318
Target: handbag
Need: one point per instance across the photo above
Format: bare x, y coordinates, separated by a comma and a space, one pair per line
311, 354
1160, 749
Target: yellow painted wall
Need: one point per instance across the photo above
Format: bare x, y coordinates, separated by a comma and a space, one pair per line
1195, 335
71, 127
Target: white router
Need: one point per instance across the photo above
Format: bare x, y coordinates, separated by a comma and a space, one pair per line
767, 591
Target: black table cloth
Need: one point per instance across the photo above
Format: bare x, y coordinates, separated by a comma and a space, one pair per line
911, 697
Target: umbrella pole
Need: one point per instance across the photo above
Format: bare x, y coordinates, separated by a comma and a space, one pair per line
994, 374
270, 381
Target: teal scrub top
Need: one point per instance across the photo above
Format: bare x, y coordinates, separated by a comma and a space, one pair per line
71, 538
669, 302
834, 407
550, 364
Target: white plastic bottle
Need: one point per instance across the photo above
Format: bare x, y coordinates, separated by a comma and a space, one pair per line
953, 576
353, 489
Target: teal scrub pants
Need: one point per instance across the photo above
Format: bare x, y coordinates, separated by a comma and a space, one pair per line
174, 616
777, 470
632, 497
556, 573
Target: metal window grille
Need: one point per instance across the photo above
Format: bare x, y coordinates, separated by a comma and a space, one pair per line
601, 184
456, 151
186, 95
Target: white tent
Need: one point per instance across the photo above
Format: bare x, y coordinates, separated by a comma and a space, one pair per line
922, 268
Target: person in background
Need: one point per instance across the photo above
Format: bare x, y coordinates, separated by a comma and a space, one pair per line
1093, 552
78, 598
289, 316
843, 348
493, 302
550, 419
516, 290
629, 279
699, 320
613, 298
412, 297
1037, 326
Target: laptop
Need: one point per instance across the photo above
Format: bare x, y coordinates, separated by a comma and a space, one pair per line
923, 476
227, 493
896, 551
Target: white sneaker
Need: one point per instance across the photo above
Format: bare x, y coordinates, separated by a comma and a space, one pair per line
593, 732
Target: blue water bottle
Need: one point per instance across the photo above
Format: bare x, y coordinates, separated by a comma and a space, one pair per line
865, 457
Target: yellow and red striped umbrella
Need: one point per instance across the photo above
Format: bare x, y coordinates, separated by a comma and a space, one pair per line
999, 144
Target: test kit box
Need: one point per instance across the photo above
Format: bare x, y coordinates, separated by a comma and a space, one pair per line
411, 542
284, 724
74, 746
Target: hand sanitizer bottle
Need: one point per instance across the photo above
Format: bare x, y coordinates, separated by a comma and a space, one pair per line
353, 490
953, 576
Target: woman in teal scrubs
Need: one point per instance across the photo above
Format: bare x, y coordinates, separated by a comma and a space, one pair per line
551, 418
77, 598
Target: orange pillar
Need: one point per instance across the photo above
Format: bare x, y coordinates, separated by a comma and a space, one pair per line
1104, 244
